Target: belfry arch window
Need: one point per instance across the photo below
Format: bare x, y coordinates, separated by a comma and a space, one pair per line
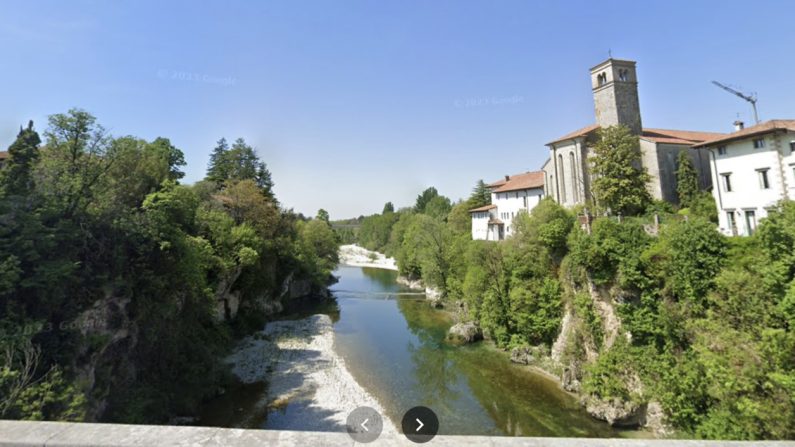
623, 74
601, 79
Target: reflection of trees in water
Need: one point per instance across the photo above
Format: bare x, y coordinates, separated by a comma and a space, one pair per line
520, 403
434, 371
435, 375
385, 278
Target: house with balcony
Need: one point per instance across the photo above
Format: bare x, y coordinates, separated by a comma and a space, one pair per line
752, 169
509, 197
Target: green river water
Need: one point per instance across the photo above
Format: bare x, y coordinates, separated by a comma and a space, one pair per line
393, 343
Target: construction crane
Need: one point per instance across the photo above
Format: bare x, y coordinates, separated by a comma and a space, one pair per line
749, 98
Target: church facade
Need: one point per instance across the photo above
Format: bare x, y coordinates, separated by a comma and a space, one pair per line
615, 92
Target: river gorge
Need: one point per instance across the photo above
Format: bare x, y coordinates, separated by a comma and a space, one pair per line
392, 342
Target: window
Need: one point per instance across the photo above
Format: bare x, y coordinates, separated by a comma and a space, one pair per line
792, 147
750, 221
601, 79
524, 201
721, 150
727, 183
623, 75
759, 143
573, 168
732, 222
764, 183
561, 180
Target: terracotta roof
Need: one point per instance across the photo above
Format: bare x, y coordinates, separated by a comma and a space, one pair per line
482, 208
759, 129
688, 137
495, 222
525, 180
669, 136
3, 155
577, 133
499, 182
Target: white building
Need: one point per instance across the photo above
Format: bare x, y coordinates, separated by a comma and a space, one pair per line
509, 196
752, 169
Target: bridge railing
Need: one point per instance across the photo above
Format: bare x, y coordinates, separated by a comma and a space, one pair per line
62, 434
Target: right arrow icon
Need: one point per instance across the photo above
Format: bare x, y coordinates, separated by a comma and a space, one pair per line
419, 424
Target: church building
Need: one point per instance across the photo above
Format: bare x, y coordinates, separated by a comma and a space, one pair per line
615, 91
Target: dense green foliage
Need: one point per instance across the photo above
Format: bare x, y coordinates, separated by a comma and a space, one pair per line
113, 270
481, 195
686, 180
619, 179
706, 324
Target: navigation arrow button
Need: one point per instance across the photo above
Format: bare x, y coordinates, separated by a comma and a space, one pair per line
364, 425
420, 424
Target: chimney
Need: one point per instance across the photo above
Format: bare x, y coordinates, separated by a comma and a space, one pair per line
739, 125
507, 177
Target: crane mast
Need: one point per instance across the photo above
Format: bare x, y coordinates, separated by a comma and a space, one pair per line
749, 98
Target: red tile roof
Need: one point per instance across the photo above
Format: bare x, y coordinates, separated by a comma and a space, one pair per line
3, 155
496, 222
688, 137
577, 133
759, 129
499, 182
482, 208
669, 136
527, 180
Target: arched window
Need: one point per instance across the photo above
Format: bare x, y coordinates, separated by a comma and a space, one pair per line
623, 74
561, 179
601, 79
574, 189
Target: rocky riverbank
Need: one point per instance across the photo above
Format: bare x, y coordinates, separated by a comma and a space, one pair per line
309, 386
357, 256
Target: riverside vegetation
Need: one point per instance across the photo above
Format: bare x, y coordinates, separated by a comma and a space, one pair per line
695, 324
120, 288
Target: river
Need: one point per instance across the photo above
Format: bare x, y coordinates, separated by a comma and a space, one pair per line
393, 344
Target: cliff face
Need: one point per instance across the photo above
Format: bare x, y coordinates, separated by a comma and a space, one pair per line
590, 327
109, 352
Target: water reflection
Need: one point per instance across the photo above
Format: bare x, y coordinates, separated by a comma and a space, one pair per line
433, 369
394, 346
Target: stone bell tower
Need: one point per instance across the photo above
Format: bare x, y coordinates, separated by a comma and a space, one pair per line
615, 94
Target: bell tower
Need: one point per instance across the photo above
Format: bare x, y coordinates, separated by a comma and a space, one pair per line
615, 94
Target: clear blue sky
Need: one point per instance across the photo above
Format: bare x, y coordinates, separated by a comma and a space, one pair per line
353, 104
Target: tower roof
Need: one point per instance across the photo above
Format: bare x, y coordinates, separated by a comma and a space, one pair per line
612, 61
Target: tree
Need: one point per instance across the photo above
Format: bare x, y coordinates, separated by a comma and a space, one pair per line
686, 180
173, 156
424, 198
438, 207
620, 180
322, 215
77, 157
481, 195
217, 168
459, 219
240, 162
23, 153
388, 208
